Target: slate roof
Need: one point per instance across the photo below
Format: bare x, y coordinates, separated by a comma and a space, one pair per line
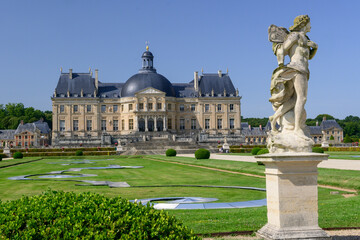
7, 134
255, 131
315, 130
185, 90
110, 90
27, 127
42, 126
327, 124
79, 81
212, 81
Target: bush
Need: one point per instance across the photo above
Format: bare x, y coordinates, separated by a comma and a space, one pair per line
0, 157
171, 152
202, 154
18, 155
79, 153
262, 151
67, 215
255, 150
260, 163
317, 150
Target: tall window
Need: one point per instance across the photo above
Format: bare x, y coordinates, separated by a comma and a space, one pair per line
103, 108
88, 108
150, 106
169, 106
219, 107
207, 123
169, 123
182, 124
159, 105
103, 125
76, 125
231, 107
123, 124
62, 108
131, 124
88, 125
182, 107
76, 108
232, 121
193, 123
116, 125
130, 107
122, 107
219, 123
115, 108
141, 106
62, 125
193, 107
207, 107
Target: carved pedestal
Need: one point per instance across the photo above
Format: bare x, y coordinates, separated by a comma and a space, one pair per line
292, 196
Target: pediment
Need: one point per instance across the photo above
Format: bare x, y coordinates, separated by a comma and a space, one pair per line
150, 90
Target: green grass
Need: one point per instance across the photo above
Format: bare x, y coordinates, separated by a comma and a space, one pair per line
155, 174
344, 155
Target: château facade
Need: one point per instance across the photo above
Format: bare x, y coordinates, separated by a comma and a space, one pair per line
86, 110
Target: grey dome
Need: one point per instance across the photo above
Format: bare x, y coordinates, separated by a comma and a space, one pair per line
144, 80
147, 54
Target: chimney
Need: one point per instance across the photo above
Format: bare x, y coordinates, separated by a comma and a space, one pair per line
249, 127
41, 119
317, 123
70, 73
260, 127
324, 118
22, 122
196, 81
96, 79
220, 74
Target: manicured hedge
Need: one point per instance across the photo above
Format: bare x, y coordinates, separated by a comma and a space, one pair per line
202, 153
0, 158
49, 154
67, 215
317, 150
79, 153
61, 150
262, 151
170, 152
255, 150
18, 155
344, 149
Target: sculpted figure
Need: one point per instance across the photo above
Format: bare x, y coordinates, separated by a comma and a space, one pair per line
289, 85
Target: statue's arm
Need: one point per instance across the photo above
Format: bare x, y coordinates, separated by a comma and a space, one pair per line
289, 42
313, 49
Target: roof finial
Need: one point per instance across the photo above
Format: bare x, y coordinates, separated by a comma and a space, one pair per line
60, 69
147, 45
202, 70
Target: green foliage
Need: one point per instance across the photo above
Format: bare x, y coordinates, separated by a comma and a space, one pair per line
262, 151
255, 150
66, 215
202, 153
79, 153
332, 137
347, 139
171, 152
317, 150
0, 157
255, 122
18, 155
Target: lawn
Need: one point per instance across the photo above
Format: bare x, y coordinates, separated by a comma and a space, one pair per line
154, 179
344, 155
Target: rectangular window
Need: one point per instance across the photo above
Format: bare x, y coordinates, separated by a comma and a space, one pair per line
231, 107
182, 124
62, 125
88, 108
122, 108
169, 123
123, 124
131, 124
75, 125
130, 107
182, 107
26, 143
115, 108
62, 108
88, 125
159, 105
116, 125
193, 123
169, 106
219, 123
219, 107
76, 108
25, 136
103, 108
150, 106
207, 107
19, 137
141, 106
193, 107
207, 123
232, 121
103, 125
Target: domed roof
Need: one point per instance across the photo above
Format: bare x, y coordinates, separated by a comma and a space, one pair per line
147, 54
144, 80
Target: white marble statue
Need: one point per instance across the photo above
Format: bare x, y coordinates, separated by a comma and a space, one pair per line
289, 85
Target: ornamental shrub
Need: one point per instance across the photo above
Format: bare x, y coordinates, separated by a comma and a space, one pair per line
255, 150
262, 151
317, 150
0, 157
18, 155
202, 153
332, 137
79, 153
67, 215
170, 152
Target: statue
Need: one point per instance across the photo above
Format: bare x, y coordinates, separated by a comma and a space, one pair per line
289, 84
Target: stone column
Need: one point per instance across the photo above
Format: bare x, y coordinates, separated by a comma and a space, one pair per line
136, 125
146, 124
155, 123
292, 196
164, 123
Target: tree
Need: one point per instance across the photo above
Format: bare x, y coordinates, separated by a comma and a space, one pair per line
347, 139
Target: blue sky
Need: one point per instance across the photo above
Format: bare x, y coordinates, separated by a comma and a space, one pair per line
38, 37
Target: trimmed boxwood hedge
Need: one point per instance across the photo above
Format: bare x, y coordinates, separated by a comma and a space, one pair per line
79, 153
67, 215
18, 155
170, 152
255, 150
202, 153
49, 154
317, 150
61, 150
262, 151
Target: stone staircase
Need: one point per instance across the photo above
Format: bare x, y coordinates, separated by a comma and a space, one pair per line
159, 146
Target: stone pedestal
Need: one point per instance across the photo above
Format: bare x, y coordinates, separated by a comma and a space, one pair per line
7, 151
292, 196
